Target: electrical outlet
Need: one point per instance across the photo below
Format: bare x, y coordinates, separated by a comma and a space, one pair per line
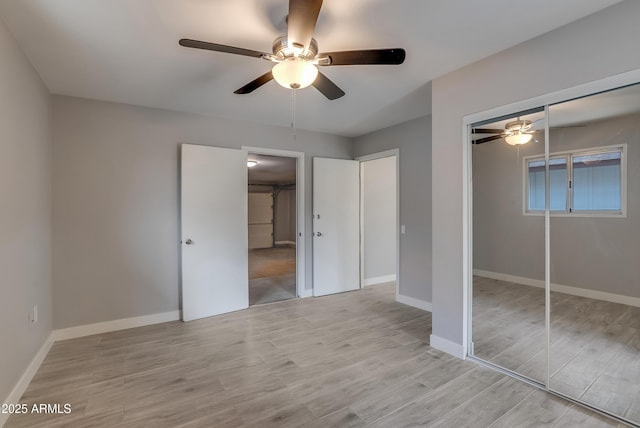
403, 229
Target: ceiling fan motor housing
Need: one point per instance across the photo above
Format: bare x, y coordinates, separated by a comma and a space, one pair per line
282, 50
518, 126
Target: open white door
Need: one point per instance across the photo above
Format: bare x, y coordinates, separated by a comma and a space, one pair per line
214, 231
336, 226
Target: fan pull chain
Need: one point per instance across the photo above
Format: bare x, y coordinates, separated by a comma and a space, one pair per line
293, 114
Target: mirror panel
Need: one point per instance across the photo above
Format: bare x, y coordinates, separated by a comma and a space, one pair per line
595, 251
508, 307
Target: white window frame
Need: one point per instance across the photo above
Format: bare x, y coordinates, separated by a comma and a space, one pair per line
568, 155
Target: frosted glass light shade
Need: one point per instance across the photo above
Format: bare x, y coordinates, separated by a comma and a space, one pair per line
517, 139
295, 73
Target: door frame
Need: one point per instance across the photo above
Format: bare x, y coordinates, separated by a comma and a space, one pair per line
379, 155
301, 289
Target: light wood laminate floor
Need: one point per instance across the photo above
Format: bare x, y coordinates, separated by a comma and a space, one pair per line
349, 360
595, 345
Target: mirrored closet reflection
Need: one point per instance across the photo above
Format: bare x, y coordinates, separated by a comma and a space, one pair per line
569, 227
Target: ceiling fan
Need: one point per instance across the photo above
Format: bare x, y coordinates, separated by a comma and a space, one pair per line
514, 133
296, 54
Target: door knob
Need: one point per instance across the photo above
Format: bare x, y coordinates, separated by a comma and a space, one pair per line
318, 234
188, 242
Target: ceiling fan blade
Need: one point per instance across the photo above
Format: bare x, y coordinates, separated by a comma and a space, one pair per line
197, 44
487, 139
327, 87
303, 15
537, 125
366, 57
486, 131
255, 84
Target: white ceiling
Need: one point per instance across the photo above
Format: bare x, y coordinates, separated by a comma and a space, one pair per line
606, 105
580, 111
127, 51
272, 170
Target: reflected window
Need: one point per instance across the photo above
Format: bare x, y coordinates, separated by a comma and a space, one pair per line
557, 188
581, 182
597, 182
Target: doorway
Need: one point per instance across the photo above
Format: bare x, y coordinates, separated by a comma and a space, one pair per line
272, 228
378, 221
379, 214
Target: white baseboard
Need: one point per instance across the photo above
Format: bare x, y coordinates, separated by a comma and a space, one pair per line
447, 346
416, 303
115, 325
25, 379
291, 243
306, 293
509, 278
378, 280
75, 332
565, 289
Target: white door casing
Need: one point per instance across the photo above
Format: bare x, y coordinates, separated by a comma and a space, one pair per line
214, 231
336, 226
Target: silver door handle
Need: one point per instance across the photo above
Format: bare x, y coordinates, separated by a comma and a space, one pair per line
188, 242
318, 234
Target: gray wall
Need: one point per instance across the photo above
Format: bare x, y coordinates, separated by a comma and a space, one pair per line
379, 225
285, 222
116, 205
593, 253
593, 48
292, 214
25, 217
413, 138
505, 240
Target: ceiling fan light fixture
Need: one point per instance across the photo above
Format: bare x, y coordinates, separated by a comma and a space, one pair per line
518, 138
296, 54
295, 73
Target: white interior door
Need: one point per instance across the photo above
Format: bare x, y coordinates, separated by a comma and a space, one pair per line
260, 220
214, 231
336, 226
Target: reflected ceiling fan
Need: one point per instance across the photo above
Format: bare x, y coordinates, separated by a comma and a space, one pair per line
514, 133
296, 54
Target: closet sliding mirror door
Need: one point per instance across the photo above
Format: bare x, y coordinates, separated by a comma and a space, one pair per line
594, 145
508, 295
